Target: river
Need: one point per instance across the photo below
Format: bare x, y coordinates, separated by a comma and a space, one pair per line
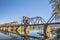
32, 33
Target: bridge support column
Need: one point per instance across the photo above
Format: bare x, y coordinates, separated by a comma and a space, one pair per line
19, 30
9, 29
27, 30
46, 31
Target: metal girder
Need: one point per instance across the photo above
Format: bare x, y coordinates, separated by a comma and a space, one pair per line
33, 20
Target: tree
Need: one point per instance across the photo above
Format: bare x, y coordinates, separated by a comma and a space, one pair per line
58, 33
56, 8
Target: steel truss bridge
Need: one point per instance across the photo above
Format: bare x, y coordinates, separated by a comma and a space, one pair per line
33, 23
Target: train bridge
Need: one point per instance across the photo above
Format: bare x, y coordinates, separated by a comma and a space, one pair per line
29, 24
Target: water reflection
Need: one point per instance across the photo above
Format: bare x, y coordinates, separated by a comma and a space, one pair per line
2, 36
32, 33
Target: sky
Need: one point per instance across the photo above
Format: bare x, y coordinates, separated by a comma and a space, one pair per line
14, 10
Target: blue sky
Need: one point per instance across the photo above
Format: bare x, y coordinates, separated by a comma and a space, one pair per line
14, 10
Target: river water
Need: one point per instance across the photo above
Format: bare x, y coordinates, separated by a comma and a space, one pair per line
32, 33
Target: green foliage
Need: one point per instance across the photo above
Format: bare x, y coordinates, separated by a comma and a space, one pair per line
56, 8
58, 31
